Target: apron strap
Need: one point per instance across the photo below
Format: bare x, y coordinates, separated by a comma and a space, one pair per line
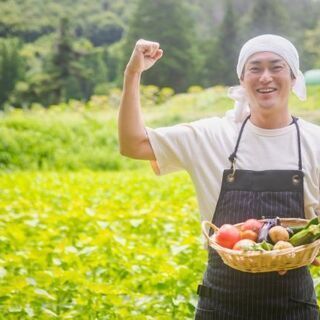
204, 291
233, 155
299, 141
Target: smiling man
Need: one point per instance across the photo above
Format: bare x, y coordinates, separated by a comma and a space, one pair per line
268, 81
275, 161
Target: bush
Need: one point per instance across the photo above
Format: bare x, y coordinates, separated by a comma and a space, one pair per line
60, 141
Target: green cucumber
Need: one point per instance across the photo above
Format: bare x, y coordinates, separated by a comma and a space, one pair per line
313, 221
297, 229
306, 235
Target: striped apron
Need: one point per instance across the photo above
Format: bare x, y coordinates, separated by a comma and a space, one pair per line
228, 294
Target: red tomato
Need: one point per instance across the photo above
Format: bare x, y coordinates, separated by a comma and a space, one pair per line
252, 224
244, 244
227, 236
249, 234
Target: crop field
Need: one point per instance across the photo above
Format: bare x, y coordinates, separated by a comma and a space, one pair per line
94, 245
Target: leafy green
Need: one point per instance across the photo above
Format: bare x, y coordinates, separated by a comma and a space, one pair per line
98, 245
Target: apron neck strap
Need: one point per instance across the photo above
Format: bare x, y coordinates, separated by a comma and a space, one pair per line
299, 141
233, 155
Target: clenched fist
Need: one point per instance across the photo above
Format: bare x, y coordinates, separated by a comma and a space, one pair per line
144, 56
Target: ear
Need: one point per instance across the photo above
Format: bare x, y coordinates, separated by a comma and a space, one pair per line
241, 79
293, 79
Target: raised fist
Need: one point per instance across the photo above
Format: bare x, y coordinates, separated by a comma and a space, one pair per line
144, 56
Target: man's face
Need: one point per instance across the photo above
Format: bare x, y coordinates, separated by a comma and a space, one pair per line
267, 81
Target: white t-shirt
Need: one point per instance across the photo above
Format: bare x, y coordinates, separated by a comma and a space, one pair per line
203, 147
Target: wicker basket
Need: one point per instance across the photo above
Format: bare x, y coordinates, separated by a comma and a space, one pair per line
265, 261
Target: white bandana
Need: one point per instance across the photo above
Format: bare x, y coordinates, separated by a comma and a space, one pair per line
270, 43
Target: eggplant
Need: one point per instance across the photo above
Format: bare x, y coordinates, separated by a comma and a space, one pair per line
290, 231
264, 231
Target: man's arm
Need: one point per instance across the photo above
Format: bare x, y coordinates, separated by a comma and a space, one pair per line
133, 140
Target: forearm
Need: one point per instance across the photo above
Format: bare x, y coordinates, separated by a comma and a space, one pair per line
130, 122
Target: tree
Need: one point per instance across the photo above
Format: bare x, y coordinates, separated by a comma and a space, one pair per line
71, 70
169, 23
11, 67
312, 46
221, 50
269, 16
102, 28
63, 59
76, 67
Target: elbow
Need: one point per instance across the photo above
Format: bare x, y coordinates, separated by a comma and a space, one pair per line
125, 151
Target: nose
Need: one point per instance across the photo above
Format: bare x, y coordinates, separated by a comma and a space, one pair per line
265, 76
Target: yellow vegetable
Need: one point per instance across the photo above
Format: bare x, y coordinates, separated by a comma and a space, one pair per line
282, 245
278, 233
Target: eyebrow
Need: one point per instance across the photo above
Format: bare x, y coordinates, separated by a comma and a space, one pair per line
255, 62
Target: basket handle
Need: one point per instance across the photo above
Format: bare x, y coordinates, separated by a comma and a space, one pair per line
204, 224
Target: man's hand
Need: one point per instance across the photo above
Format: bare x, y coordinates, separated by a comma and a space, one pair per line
145, 54
315, 262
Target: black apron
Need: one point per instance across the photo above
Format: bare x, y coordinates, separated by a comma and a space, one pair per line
229, 294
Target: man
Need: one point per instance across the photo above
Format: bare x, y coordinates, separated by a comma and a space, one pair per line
276, 158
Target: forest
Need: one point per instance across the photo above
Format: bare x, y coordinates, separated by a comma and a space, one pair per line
57, 51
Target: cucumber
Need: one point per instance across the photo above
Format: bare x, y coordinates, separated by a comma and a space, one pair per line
306, 235
313, 221
296, 229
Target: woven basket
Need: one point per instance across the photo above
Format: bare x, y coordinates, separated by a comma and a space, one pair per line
265, 261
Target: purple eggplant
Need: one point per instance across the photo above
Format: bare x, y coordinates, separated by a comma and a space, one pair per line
264, 231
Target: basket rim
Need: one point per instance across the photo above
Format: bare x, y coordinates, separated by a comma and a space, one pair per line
270, 253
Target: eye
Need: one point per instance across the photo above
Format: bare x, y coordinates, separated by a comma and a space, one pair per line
254, 69
277, 68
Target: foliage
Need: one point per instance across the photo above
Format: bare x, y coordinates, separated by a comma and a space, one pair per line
152, 95
312, 44
78, 135
268, 17
101, 29
221, 55
201, 41
228, 49
76, 67
11, 67
68, 68
169, 23
62, 141
31, 19
98, 246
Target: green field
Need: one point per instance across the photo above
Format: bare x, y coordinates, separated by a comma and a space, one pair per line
88, 234
95, 245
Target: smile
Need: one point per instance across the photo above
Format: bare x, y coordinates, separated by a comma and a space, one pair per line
266, 90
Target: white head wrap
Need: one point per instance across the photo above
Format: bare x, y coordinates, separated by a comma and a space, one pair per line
270, 43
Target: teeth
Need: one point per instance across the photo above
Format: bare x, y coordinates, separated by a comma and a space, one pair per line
265, 90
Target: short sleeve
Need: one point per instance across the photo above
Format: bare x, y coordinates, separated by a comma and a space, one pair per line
178, 147
168, 145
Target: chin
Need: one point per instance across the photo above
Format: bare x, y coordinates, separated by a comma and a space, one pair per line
267, 104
